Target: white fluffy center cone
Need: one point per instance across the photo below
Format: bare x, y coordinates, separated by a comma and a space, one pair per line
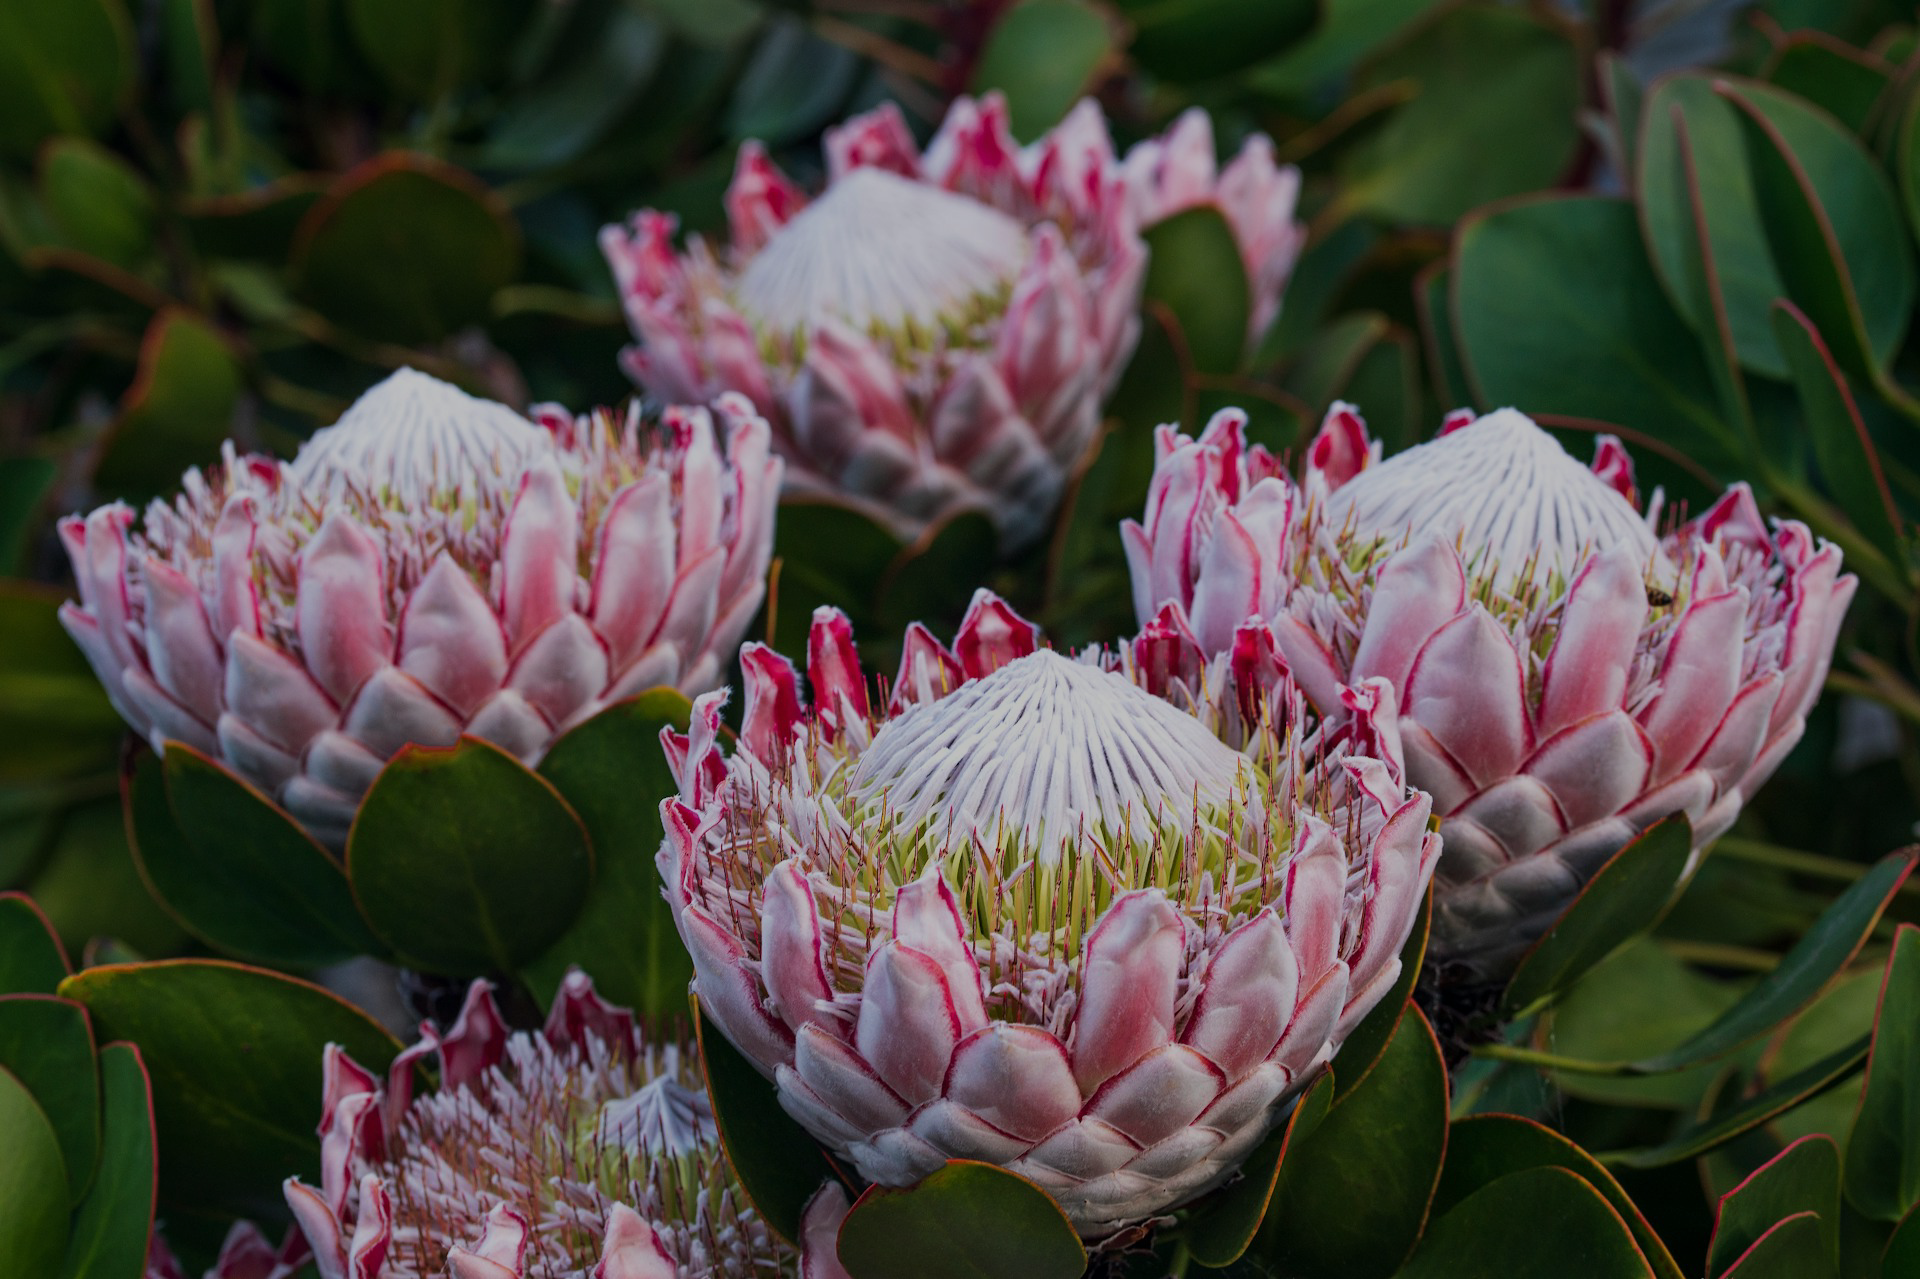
1044, 750
880, 249
412, 438
1506, 489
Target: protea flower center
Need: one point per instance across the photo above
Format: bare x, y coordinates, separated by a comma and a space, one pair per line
1518, 504
882, 252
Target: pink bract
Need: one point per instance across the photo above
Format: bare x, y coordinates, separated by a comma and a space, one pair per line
431, 565
1022, 911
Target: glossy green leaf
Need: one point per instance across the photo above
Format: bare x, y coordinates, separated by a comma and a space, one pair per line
1194, 270
179, 409
1494, 114
234, 1055
613, 773
778, 1164
33, 1185
90, 888
1844, 82
1624, 897
966, 1221
796, 82
47, 1043
31, 961
1496, 1233
1370, 1038
1626, 101
112, 1228
1188, 40
1815, 959
564, 115
828, 554
1432, 289
101, 204
1042, 55
1902, 1254
1793, 1248
1482, 1149
465, 862
1883, 1151
1348, 31
1224, 1225
405, 249
429, 48
1558, 312
1848, 458
1803, 1178
1751, 1112
1387, 1134
234, 867
65, 65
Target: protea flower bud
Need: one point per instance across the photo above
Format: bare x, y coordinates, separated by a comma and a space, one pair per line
428, 566
1177, 171
582, 1150
933, 333
1033, 915
1566, 674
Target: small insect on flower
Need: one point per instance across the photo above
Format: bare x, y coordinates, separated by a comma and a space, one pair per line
584, 1149
1028, 912
430, 565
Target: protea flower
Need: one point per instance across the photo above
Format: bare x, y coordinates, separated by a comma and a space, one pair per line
1177, 171
245, 1254
430, 565
1566, 675
583, 1149
1026, 912
932, 333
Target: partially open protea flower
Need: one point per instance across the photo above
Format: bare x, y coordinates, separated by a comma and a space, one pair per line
1177, 171
428, 566
1566, 675
932, 333
581, 1150
1031, 914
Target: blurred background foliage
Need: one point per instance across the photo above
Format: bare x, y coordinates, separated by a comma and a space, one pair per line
1688, 222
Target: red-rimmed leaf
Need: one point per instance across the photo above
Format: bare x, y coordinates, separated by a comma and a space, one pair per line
47, 1042
1803, 1178
33, 1185
1794, 1248
965, 1221
1224, 1225
1883, 1152
1369, 1039
112, 1228
31, 958
1539, 1223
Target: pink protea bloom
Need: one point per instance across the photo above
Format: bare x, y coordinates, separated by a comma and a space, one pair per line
1025, 912
1177, 171
932, 333
430, 565
245, 1254
584, 1149
1567, 675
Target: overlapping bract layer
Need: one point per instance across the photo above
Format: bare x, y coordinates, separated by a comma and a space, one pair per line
933, 333
429, 566
1030, 914
583, 1149
1566, 676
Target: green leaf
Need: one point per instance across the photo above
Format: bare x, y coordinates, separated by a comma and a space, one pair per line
1042, 54
405, 248
563, 116
1883, 1152
1902, 1255
1189, 40
112, 1228
1558, 312
101, 204
465, 862
1624, 897
1364, 1045
778, 1164
24, 482
1844, 82
178, 411
33, 1185
1349, 31
257, 225
613, 773
1388, 1134
90, 887
1803, 1178
65, 67
235, 868
1432, 289
1495, 114
234, 1055
966, 1221
1194, 269
1794, 1248
1225, 1224
192, 45
1327, 362
1846, 453
31, 961
47, 1044
797, 81
55, 719
429, 48
1541, 1223
1482, 1149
